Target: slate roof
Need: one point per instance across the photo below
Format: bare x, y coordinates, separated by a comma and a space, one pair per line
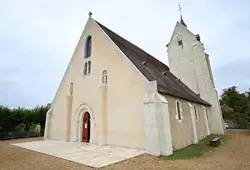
153, 69
182, 22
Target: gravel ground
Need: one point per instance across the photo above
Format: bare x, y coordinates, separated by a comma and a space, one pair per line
235, 154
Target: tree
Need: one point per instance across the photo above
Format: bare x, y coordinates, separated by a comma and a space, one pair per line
227, 112
6, 121
236, 106
234, 99
241, 120
12, 118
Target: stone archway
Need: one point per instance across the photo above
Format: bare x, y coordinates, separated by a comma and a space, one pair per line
78, 119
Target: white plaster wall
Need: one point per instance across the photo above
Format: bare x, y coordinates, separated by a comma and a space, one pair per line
189, 63
57, 126
181, 131
125, 92
194, 135
200, 122
151, 130
157, 123
180, 58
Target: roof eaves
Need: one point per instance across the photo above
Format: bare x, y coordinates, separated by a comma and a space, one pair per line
199, 102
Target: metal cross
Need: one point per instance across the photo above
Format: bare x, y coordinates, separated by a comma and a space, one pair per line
179, 9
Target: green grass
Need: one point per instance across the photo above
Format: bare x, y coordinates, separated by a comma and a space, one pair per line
194, 151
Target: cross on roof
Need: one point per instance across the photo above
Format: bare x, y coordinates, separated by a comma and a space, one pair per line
179, 9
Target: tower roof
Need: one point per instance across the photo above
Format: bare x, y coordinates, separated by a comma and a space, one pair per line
182, 22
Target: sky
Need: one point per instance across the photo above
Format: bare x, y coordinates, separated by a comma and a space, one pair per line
38, 38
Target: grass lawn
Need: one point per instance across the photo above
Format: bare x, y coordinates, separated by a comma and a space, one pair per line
195, 150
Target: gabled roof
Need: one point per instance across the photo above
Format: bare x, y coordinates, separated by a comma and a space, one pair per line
153, 69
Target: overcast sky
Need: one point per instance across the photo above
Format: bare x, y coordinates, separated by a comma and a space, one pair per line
38, 37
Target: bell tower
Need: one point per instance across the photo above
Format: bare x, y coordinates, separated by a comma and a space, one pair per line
189, 62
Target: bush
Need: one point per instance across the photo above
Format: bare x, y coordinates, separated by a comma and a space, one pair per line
32, 127
241, 120
22, 119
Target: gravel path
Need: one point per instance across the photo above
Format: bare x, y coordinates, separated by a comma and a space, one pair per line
235, 154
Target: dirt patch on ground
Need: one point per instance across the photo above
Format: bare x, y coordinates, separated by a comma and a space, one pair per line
235, 154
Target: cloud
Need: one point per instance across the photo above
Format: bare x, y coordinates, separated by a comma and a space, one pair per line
34, 35
233, 74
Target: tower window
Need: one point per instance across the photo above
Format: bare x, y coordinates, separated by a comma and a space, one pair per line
180, 42
198, 38
88, 45
179, 38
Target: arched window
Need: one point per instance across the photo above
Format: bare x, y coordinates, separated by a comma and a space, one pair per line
178, 110
71, 88
88, 45
104, 77
195, 113
89, 67
85, 68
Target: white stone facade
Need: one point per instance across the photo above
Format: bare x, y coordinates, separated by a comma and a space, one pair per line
191, 65
126, 109
156, 123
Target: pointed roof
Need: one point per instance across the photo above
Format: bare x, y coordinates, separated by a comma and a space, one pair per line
153, 69
182, 22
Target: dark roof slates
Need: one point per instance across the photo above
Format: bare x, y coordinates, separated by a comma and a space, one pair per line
168, 83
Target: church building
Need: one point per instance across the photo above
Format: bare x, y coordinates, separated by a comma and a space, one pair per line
115, 93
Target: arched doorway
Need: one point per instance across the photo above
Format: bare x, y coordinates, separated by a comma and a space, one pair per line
78, 124
86, 127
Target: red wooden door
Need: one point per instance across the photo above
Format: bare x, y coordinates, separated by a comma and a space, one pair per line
86, 128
